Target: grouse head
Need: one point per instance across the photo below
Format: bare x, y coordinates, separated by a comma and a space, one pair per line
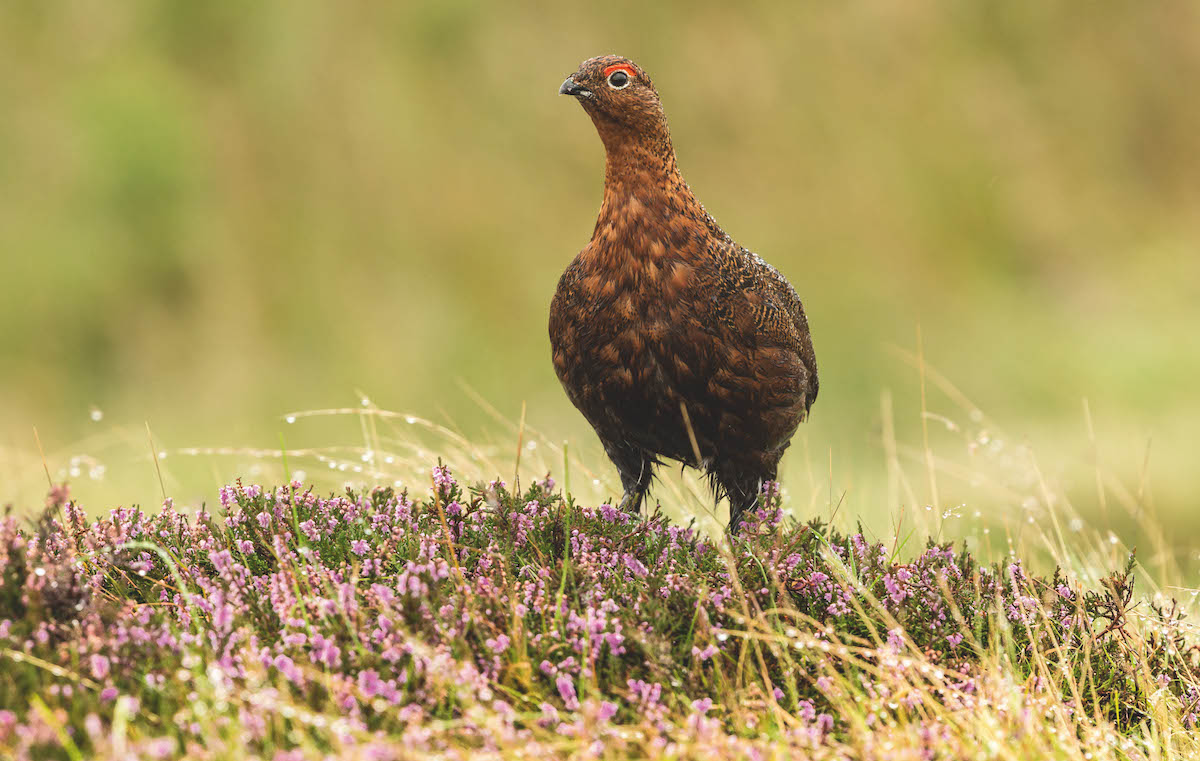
621, 100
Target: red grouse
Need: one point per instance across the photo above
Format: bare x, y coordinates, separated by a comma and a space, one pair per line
670, 338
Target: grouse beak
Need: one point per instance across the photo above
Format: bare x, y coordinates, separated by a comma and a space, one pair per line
570, 87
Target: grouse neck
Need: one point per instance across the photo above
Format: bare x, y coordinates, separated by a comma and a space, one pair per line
645, 177
646, 164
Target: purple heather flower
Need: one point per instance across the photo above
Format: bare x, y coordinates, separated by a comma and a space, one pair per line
549, 715
100, 666
612, 514
310, 530
806, 710
445, 482
706, 653
498, 644
606, 711
566, 689
360, 547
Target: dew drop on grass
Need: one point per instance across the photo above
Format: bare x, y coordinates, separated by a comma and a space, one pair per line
409, 419
365, 402
531, 446
96, 414
290, 419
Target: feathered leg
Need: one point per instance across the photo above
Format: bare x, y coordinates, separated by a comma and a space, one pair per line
743, 486
636, 469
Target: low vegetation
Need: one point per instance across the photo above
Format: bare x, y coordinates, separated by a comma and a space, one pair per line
459, 622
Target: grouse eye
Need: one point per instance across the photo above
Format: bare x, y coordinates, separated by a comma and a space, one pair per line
618, 80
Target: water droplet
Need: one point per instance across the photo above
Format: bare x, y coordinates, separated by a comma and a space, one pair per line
162, 455
290, 419
96, 415
39, 571
366, 402
409, 419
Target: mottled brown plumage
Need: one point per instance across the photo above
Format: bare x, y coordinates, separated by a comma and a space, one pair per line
664, 324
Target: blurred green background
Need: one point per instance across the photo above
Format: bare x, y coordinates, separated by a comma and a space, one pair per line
212, 213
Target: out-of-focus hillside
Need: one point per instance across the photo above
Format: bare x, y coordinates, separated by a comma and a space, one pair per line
212, 213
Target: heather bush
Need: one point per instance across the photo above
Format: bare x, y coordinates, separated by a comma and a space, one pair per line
486, 621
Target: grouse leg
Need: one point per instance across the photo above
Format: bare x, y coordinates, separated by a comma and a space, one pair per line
636, 469
743, 487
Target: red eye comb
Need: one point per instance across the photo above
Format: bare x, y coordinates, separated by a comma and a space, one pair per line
608, 70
